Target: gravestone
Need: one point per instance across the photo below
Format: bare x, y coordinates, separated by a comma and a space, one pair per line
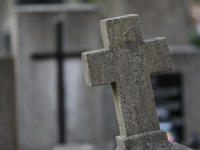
161, 18
36, 47
181, 100
7, 104
186, 60
127, 62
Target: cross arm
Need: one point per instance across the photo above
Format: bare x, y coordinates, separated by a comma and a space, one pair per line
99, 67
156, 55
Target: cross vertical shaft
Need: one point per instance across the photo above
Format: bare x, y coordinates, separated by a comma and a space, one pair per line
61, 98
59, 56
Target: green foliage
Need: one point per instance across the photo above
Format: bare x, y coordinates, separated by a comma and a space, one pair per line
196, 0
195, 38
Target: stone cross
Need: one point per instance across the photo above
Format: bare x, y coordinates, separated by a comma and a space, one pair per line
127, 62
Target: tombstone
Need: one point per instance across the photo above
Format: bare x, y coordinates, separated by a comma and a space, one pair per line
161, 18
127, 62
185, 60
180, 96
41, 51
7, 104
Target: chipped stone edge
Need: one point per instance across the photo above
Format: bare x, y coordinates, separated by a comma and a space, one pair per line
141, 139
86, 69
121, 17
156, 139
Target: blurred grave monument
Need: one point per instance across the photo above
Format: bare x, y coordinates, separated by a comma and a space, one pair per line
127, 64
48, 40
178, 92
168, 92
186, 64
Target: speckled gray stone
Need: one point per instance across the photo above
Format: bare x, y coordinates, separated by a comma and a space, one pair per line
127, 62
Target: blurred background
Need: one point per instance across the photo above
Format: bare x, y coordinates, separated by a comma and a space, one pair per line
44, 102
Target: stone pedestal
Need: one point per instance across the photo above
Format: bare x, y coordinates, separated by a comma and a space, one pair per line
186, 61
156, 140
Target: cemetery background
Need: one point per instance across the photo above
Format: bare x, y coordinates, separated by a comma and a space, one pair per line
29, 97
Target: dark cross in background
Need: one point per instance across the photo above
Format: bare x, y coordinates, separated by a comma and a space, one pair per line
59, 56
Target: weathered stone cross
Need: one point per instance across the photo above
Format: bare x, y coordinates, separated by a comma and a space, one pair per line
127, 62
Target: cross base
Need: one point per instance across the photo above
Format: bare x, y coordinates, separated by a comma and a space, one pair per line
156, 140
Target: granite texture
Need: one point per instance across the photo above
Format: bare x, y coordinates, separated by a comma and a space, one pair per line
127, 62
